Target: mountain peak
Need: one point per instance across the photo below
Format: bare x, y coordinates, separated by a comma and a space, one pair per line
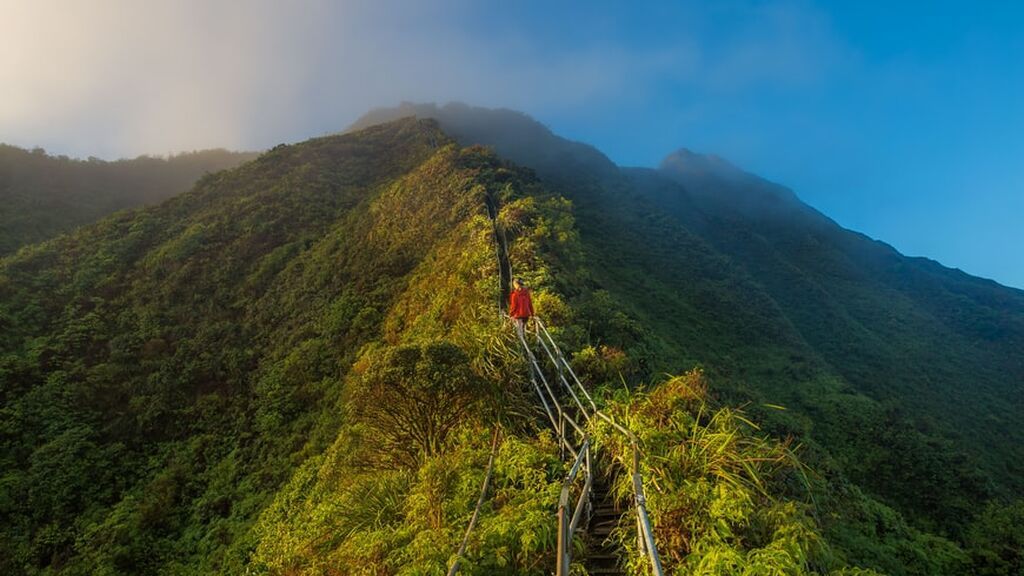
514, 135
687, 161
714, 178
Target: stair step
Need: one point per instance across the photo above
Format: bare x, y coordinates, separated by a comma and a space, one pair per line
604, 554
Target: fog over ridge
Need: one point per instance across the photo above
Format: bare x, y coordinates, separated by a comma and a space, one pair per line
117, 78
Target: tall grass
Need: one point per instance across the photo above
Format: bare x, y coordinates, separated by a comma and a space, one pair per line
718, 490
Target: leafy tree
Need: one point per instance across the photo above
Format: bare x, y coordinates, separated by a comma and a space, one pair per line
996, 540
412, 398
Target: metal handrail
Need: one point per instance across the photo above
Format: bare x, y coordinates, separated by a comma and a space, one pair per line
645, 532
561, 374
580, 460
581, 457
479, 503
536, 369
567, 527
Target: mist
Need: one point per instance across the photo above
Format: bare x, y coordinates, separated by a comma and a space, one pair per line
121, 78
115, 78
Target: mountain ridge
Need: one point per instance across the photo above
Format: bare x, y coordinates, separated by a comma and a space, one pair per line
469, 123
211, 352
848, 283
42, 195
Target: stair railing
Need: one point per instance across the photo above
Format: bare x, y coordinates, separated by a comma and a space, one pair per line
645, 532
581, 459
556, 414
479, 504
559, 419
564, 425
567, 526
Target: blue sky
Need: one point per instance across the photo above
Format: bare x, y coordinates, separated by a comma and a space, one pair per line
900, 120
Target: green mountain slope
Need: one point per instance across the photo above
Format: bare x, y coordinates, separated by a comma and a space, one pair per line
165, 369
297, 368
941, 348
195, 387
904, 376
42, 196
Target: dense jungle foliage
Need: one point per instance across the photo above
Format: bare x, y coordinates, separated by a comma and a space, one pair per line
298, 368
42, 196
901, 377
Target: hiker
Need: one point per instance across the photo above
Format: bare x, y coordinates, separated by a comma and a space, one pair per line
520, 307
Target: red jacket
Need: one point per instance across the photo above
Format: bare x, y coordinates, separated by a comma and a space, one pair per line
519, 304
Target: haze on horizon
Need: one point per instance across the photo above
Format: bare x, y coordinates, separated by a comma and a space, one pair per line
903, 122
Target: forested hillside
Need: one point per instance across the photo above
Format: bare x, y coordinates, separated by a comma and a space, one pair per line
904, 377
298, 366
42, 196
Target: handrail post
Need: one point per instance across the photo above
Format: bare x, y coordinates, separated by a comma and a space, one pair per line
641, 546
645, 523
479, 503
589, 485
536, 330
563, 559
561, 435
561, 376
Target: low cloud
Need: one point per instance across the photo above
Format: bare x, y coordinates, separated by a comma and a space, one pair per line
120, 78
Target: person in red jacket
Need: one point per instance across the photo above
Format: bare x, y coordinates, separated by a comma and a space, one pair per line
520, 307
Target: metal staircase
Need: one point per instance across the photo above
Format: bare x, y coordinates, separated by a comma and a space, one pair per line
603, 553
601, 520
586, 503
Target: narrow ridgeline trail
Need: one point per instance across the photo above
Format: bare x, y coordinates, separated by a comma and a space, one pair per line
587, 503
587, 507
604, 555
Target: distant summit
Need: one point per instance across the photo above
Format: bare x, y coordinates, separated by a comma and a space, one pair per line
716, 179
513, 135
686, 161
518, 137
